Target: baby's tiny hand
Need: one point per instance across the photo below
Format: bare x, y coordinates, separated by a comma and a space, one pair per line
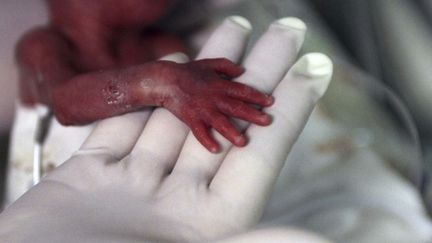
202, 95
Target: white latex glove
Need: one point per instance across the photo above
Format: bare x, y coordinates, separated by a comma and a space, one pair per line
144, 177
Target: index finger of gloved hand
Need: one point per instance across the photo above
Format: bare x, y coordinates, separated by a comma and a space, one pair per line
163, 137
234, 32
250, 173
118, 135
268, 62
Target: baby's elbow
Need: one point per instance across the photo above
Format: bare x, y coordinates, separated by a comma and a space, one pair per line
63, 116
61, 110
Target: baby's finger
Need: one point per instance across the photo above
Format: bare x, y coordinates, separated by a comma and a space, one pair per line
243, 92
222, 125
202, 134
243, 111
222, 66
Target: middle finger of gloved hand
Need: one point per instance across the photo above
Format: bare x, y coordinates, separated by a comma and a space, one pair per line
162, 139
266, 65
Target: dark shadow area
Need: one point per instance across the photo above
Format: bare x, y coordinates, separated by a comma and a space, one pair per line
4, 142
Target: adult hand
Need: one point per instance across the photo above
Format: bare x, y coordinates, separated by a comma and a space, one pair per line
144, 176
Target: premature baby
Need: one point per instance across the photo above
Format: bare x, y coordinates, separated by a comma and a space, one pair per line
98, 59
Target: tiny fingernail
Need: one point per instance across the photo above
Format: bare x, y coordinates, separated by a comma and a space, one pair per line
214, 150
266, 119
241, 70
240, 140
270, 100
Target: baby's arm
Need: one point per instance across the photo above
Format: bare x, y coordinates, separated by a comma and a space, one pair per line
198, 93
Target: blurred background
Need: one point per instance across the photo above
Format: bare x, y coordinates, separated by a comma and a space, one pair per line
16, 17
372, 129
392, 42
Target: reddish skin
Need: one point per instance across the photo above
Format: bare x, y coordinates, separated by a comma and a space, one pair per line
93, 26
81, 69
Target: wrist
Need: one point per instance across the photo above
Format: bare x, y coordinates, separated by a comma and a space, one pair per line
154, 83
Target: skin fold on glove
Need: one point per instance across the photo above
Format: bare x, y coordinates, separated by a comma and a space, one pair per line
96, 60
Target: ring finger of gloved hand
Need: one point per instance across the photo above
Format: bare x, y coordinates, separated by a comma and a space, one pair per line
254, 169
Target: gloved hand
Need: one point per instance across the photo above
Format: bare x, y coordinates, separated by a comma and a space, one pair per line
144, 177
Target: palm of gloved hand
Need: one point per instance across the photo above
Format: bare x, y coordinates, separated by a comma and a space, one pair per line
134, 180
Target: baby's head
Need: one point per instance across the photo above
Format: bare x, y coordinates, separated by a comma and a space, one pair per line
140, 11
115, 12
